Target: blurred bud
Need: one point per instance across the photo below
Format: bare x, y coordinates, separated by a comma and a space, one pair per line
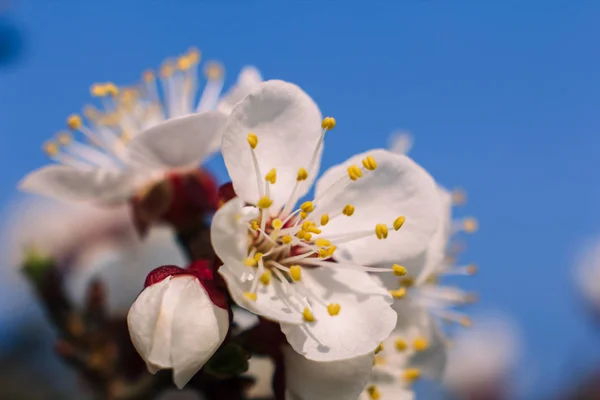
36, 265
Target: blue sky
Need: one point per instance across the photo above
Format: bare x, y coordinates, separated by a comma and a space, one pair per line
502, 98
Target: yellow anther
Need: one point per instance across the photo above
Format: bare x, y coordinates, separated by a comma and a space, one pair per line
265, 278
277, 223
254, 225
252, 140
194, 55
307, 224
324, 219
379, 348
398, 270
322, 242
304, 235
287, 239
214, 71
420, 344
64, 138
407, 281
373, 393
264, 202
51, 149
472, 269
98, 90
398, 222
470, 225
111, 89
327, 252
250, 262
379, 360
258, 256
333, 309
348, 210
167, 70
381, 230
148, 76
400, 345
308, 315
369, 163
184, 62
459, 197
328, 123
271, 177
398, 293
250, 296
411, 374
302, 175
307, 206
74, 122
354, 172
296, 272
91, 112
314, 229
303, 215
466, 322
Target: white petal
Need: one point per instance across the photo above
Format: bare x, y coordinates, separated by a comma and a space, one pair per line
365, 318
160, 355
143, 316
271, 303
199, 328
397, 187
68, 183
178, 142
248, 81
334, 380
287, 123
229, 232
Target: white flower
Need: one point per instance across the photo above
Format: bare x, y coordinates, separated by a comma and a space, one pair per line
174, 325
87, 242
140, 134
304, 267
482, 358
418, 347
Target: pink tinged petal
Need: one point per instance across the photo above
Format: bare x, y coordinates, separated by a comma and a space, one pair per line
287, 123
198, 329
68, 183
365, 318
179, 142
398, 187
334, 380
248, 81
143, 316
271, 301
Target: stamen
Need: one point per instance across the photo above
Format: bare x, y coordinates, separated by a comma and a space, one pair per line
286, 239
373, 393
302, 175
348, 210
400, 345
328, 123
379, 348
398, 222
420, 344
381, 231
369, 163
296, 272
398, 293
250, 296
308, 315
398, 270
470, 225
411, 374
271, 177
324, 219
307, 207
333, 309
354, 172
459, 197
265, 278
264, 203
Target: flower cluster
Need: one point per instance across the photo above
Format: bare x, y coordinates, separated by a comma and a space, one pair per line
343, 271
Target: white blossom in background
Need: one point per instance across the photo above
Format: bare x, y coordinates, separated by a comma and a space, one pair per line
306, 266
587, 271
484, 356
141, 133
418, 346
87, 242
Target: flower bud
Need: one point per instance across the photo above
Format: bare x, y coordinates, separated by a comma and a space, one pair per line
174, 324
